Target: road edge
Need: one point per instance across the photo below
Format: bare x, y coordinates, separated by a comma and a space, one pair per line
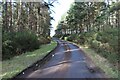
40, 62
89, 61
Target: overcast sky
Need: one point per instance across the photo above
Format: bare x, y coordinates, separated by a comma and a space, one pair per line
59, 8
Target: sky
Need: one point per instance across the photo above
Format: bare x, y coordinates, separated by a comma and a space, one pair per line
59, 8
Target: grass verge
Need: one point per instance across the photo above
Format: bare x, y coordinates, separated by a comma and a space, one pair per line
18, 63
101, 62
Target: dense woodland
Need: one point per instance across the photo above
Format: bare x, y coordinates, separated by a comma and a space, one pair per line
25, 26
93, 24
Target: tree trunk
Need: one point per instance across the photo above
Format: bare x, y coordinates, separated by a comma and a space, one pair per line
10, 27
5, 17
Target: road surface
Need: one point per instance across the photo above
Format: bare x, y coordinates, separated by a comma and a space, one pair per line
68, 61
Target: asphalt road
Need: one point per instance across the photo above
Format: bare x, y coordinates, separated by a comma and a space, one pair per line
68, 61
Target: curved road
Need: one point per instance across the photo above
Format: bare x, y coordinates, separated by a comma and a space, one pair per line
68, 61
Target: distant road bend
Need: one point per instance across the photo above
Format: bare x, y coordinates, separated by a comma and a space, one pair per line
68, 61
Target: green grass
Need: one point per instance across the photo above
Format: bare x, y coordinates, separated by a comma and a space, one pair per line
101, 62
18, 63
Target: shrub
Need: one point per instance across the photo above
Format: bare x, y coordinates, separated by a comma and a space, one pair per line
110, 37
95, 44
69, 38
26, 41
18, 42
8, 45
72, 37
82, 39
43, 40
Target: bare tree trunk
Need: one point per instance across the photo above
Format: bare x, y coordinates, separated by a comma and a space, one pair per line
10, 27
